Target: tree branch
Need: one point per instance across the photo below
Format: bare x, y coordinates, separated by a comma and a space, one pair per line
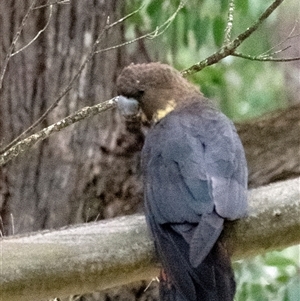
265, 58
30, 141
230, 47
150, 35
14, 41
268, 56
228, 29
58, 2
37, 35
101, 255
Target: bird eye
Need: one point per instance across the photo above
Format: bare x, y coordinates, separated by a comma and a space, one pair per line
140, 93
137, 94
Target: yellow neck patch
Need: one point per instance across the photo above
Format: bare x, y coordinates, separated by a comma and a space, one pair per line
161, 113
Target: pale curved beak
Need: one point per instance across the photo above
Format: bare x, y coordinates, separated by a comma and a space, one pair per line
129, 107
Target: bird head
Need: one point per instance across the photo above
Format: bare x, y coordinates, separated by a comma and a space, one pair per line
155, 88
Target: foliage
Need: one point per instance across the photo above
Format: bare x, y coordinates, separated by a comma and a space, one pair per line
274, 276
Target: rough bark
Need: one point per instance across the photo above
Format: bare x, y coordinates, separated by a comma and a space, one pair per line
81, 173
272, 146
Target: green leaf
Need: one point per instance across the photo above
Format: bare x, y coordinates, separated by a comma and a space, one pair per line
278, 260
185, 35
242, 6
184, 25
224, 5
218, 30
200, 29
154, 7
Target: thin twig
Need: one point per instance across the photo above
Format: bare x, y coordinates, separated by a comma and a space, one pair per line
12, 224
38, 34
155, 279
13, 44
229, 49
151, 35
265, 58
2, 232
228, 29
108, 26
276, 52
289, 37
53, 3
241, 37
28, 142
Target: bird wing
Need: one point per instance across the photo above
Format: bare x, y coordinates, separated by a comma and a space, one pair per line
195, 175
193, 163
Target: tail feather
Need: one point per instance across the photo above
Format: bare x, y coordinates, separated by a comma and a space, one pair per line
212, 280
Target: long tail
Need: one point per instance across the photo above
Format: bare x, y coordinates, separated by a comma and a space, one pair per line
212, 280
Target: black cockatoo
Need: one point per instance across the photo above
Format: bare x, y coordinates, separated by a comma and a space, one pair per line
195, 177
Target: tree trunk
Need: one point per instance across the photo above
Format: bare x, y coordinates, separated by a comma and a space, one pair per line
83, 172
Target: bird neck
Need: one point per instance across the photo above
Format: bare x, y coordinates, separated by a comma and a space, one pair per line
167, 101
